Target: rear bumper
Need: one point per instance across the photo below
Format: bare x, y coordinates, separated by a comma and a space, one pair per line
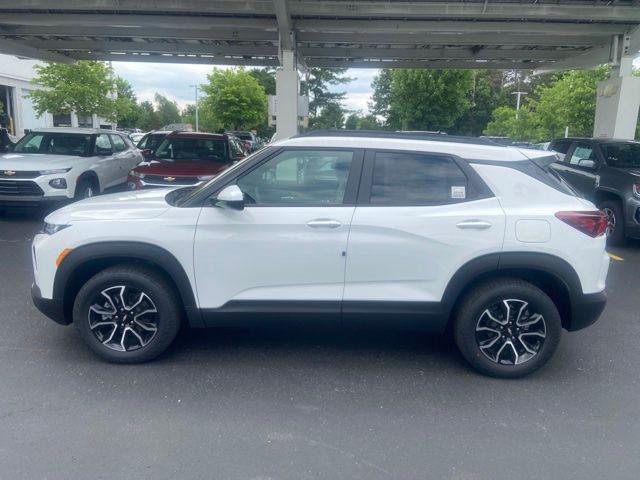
586, 309
51, 307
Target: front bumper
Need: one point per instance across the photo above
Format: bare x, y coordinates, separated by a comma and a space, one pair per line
31, 201
51, 307
586, 309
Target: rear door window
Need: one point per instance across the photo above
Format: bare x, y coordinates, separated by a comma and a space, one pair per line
118, 143
416, 179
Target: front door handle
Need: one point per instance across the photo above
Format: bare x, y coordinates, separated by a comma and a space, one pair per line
474, 225
323, 223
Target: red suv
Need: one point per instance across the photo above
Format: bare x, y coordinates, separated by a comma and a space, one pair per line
186, 158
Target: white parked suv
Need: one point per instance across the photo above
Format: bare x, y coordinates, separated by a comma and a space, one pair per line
56, 165
403, 230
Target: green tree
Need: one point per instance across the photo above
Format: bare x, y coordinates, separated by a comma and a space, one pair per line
381, 98
330, 118
167, 111
352, 121
207, 122
487, 93
505, 124
147, 117
265, 77
429, 99
235, 98
357, 121
84, 87
126, 104
317, 85
568, 102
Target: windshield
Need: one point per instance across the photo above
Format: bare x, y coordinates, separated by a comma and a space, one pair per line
204, 149
622, 155
75, 144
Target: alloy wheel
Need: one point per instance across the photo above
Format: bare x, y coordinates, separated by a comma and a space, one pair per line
123, 318
88, 192
509, 332
611, 220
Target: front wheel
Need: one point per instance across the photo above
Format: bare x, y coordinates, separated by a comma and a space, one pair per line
85, 189
507, 328
127, 314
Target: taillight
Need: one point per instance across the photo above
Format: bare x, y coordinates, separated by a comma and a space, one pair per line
592, 223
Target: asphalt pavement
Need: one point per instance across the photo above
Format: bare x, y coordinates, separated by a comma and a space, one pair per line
311, 404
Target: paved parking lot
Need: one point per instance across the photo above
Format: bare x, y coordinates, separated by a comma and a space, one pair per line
241, 404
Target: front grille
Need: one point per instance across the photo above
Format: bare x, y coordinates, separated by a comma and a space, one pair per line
160, 180
18, 174
8, 187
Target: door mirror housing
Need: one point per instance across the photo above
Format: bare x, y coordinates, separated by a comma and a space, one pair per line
586, 163
147, 152
230, 197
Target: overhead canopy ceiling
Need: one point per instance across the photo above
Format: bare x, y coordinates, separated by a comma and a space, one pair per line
507, 34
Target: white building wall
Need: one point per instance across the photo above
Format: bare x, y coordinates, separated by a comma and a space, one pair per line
17, 74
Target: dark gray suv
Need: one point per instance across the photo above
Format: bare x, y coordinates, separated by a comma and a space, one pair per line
606, 172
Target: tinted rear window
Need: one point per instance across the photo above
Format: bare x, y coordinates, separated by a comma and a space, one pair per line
622, 155
416, 179
206, 149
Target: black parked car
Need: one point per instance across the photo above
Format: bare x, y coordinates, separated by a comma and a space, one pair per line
607, 172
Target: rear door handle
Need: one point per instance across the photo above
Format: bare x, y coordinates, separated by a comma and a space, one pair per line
474, 225
323, 223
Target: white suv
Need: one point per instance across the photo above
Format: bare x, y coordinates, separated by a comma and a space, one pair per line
408, 231
55, 165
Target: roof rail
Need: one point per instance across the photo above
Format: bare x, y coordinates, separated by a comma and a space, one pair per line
436, 137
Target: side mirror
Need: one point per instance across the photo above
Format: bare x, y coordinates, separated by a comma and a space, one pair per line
103, 152
230, 197
586, 163
147, 152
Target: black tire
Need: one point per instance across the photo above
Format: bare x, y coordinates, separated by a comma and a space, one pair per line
138, 279
471, 312
614, 212
86, 188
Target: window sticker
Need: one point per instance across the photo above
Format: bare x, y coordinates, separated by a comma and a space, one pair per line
458, 192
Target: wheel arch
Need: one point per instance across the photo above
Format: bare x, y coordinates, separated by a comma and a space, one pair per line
553, 275
92, 176
85, 261
603, 194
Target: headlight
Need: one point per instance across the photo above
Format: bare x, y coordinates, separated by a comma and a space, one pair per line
51, 228
57, 171
135, 174
58, 183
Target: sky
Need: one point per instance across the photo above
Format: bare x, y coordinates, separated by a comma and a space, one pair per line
174, 80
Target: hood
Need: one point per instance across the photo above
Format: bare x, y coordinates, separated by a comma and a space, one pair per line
140, 204
182, 168
36, 161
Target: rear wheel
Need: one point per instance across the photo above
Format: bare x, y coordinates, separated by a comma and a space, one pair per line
615, 221
127, 314
86, 188
507, 328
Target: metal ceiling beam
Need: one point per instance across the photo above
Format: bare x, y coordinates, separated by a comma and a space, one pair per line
501, 65
431, 26
99, 20
315, 52
285, 25
223, 34
352, 9
155, 47
10, 47
590, 59
451, 39
257, 62
436, 53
